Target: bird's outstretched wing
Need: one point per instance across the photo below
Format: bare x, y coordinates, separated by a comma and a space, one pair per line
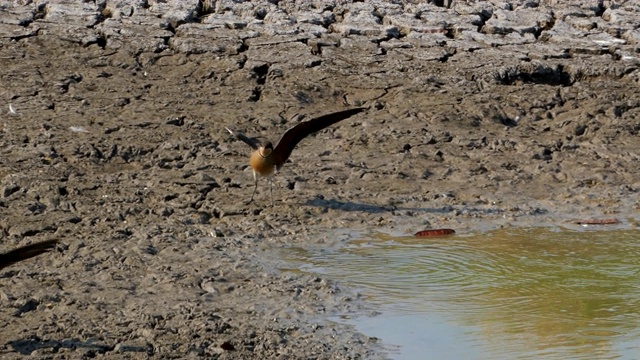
26, 252
293, 136
250, 141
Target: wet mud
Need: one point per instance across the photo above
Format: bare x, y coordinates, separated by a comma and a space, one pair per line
113, 141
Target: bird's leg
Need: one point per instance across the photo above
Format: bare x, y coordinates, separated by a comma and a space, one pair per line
255, 187
271, 189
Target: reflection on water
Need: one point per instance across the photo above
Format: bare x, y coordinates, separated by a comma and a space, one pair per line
507, 294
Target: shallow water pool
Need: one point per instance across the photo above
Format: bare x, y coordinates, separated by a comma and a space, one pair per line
507, 294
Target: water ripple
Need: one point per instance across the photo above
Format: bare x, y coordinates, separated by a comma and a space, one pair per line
528, 293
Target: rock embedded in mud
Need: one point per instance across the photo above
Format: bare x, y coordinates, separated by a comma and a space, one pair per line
10, 189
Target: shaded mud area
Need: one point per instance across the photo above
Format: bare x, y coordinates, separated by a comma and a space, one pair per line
113, 140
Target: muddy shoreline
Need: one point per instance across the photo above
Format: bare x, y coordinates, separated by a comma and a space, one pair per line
484, 114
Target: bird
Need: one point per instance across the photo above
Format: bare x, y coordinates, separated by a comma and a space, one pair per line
266, 159
26, 252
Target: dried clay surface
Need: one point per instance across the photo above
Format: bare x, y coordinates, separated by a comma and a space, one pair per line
113, 140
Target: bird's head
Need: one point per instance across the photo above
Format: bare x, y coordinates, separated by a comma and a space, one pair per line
266, 148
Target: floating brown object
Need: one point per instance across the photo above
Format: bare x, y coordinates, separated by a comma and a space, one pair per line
598, 222
266, 158
26, 252
434, 232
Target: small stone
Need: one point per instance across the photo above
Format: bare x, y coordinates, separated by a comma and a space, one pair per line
122, 102
10, 189
580, 130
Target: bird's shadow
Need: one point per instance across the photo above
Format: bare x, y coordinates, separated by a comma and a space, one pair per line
28, 346
368, 208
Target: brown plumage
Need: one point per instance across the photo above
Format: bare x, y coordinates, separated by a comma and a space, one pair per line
26, 252
266, 159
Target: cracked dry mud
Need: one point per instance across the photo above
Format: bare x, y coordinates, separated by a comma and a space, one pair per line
483, 114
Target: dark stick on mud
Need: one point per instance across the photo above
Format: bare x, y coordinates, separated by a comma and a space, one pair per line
26, 252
